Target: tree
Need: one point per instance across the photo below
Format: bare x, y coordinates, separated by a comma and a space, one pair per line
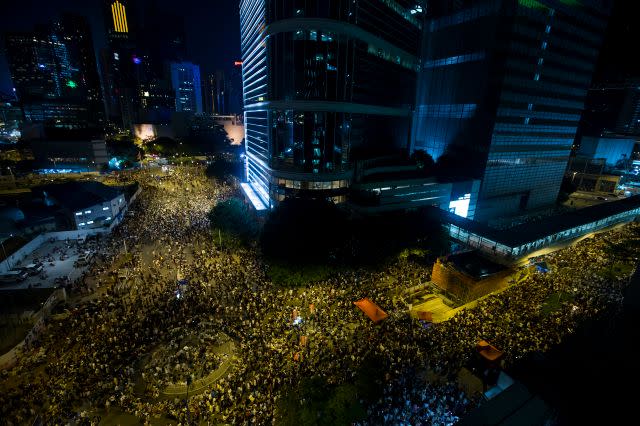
233, 218
304, 229
222, 168
423, 160
343, 408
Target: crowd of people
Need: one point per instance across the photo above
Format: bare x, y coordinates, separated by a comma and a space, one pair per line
195, 356
97, 359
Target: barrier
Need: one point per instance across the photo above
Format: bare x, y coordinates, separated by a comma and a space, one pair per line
10, 358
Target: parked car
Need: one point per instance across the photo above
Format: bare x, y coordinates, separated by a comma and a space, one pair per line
13, 276
32, 268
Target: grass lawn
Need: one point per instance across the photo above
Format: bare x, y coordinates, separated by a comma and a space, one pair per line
295, 275
554, 302
11, 335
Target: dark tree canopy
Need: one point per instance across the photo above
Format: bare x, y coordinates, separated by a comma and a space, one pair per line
233, 217
304, 229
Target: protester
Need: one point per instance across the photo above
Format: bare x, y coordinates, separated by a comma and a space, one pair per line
123, 342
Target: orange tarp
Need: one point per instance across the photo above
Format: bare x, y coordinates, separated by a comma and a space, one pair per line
425, 315
372, 310
488, 351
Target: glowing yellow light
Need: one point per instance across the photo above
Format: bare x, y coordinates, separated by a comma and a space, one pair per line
124, 19
119, 17
113, 13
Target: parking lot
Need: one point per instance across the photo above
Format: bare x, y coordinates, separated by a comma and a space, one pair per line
57, 259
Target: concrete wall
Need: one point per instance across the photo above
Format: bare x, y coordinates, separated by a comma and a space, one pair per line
466, 288
8, 359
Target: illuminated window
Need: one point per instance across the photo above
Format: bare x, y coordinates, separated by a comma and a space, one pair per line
460, 206
78, 213
87, 211
105, 208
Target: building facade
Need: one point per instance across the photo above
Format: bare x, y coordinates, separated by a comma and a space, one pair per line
89, 205
215, 93
613, 108
185, 80
121, 63
55, 74
501, 92
324, 84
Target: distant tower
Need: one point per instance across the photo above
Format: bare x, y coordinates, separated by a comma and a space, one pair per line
121, 63
185, 80
55, 73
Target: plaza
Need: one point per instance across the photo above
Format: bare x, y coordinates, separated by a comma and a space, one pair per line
163, 276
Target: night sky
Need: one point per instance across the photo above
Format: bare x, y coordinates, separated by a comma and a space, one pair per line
212, 26
213, 33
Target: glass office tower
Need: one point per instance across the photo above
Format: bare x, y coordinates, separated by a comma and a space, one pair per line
185, 80
326, 83
55, 73
501, 91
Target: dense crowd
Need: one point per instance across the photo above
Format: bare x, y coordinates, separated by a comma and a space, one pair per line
122, 344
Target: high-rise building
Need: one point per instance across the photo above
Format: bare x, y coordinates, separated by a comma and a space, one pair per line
118, 16
120, 63
613, 108
32, 66
75, 33
325, 84
215, 93
501, 92
54, 72
185, 80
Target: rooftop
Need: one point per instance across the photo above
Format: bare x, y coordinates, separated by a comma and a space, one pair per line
78, 195
474, 265
533, 231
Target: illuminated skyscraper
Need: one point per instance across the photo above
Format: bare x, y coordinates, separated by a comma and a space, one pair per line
185, 80
216, 94
118, 19
121, 61
325, 84
501, 91
55, 73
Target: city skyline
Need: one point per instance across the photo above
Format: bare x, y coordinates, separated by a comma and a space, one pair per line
407, 212
213, 29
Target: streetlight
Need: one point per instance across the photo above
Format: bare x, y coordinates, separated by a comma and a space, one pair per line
574, 176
